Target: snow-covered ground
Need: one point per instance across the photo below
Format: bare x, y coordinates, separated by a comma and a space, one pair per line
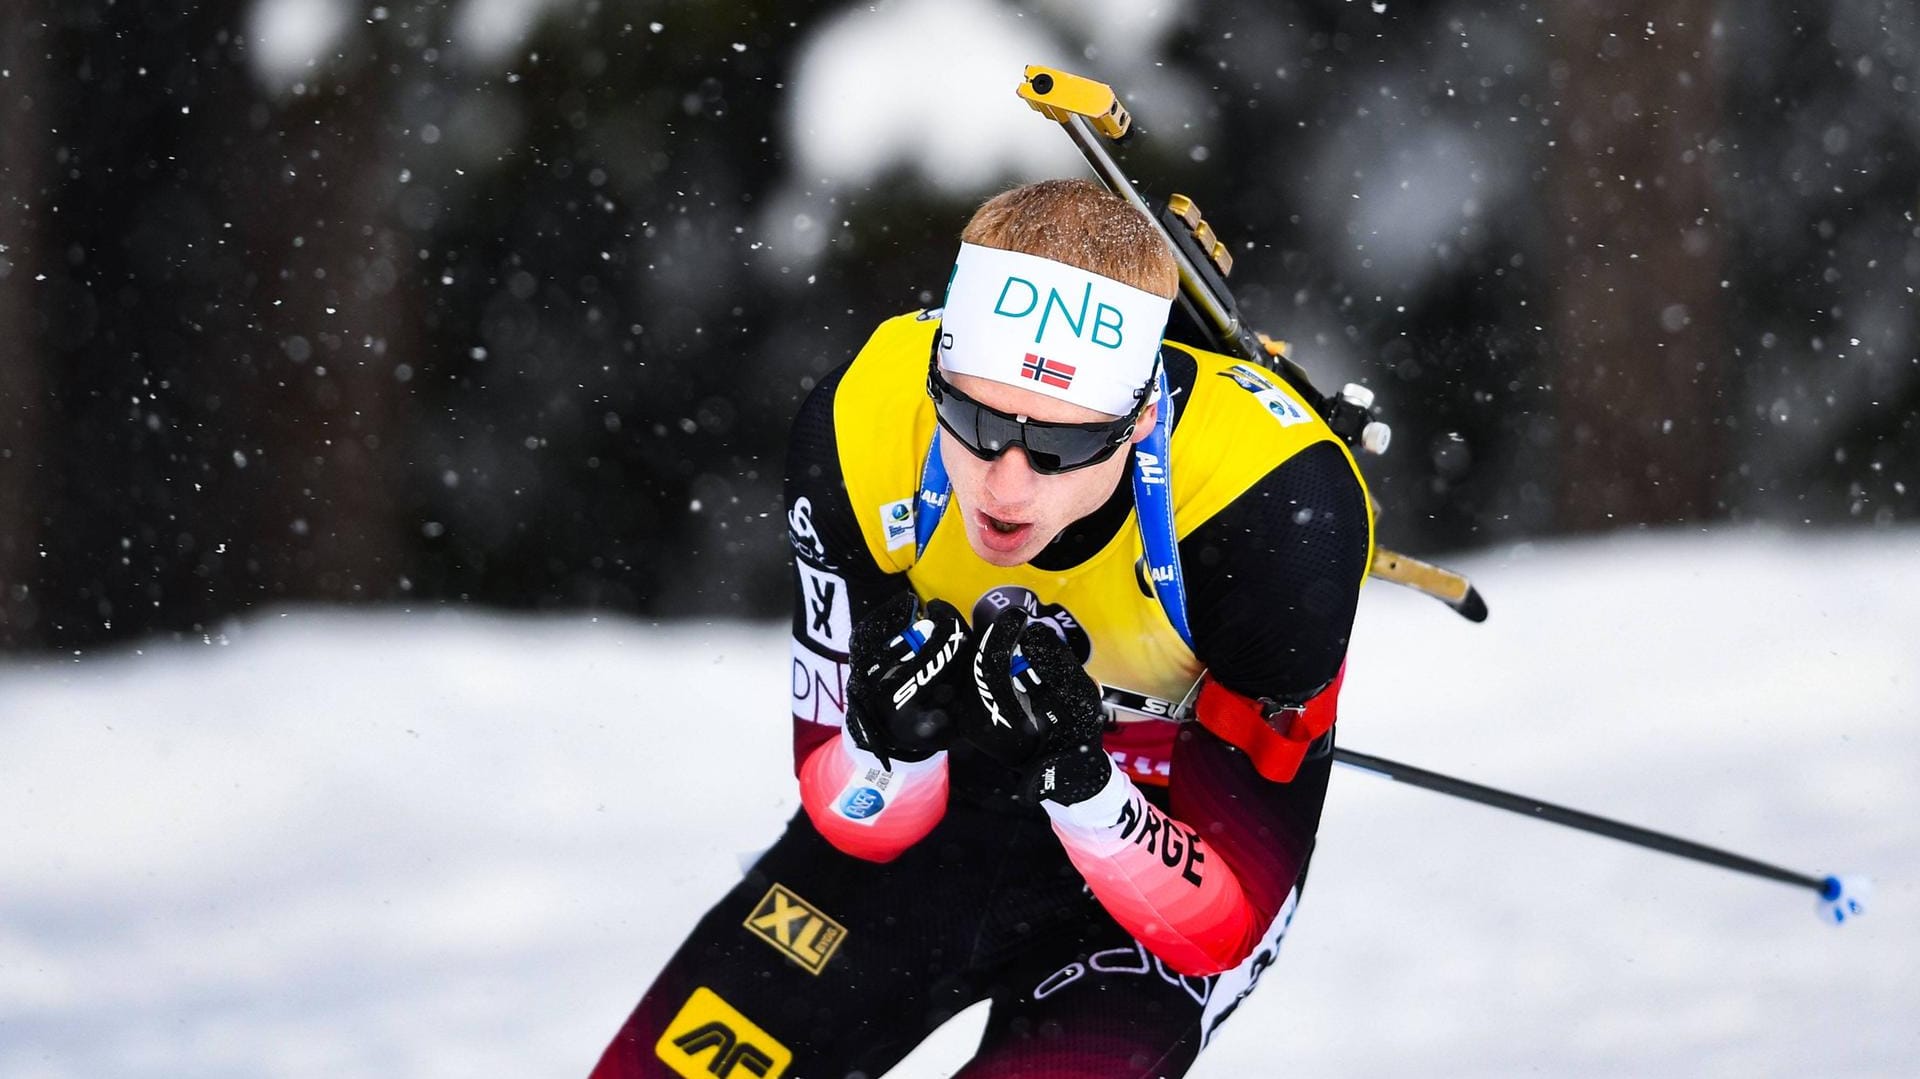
336, 843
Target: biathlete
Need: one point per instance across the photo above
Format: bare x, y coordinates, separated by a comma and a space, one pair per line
1026, 531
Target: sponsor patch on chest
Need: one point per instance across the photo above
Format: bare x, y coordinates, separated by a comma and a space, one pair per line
896, 523
1284, 409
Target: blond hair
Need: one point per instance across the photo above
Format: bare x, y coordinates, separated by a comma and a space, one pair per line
1082, 224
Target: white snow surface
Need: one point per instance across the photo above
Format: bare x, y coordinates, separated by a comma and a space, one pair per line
349, 843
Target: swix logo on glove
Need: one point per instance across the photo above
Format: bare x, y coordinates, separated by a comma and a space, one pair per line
987, 696
927, 672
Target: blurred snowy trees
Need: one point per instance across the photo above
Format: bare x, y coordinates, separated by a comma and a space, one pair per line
511, 300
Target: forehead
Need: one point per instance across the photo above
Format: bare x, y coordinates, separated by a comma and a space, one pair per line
1023, 402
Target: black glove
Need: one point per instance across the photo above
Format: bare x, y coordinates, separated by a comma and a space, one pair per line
904, 702
1046, 721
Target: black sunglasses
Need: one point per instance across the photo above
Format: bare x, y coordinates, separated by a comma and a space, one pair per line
1052, 448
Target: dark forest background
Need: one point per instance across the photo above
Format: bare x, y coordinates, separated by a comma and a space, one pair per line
414, 327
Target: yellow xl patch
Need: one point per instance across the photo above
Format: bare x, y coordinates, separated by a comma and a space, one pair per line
710, 1039
796, 927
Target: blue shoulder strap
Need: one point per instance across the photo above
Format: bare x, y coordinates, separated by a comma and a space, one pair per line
1153, 502
932, 503
1152, 499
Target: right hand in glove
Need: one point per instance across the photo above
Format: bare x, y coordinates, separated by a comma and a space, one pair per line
1040, 712
905, 700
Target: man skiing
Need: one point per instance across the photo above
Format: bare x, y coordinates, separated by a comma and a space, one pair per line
1026, 531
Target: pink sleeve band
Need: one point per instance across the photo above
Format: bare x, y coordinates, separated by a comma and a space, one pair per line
1155, 876
866, 809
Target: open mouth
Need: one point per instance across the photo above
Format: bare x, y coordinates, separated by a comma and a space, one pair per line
1001, 535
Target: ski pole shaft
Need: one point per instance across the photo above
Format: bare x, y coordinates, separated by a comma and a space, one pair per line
1088, 111
1092, 116
1574, 818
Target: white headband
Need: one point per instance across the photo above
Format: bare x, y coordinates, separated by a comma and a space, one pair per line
1051, 328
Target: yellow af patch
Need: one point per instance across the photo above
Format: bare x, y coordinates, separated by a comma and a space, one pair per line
796, 928
710, 1039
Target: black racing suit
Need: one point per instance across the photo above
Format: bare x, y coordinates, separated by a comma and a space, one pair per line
987, 905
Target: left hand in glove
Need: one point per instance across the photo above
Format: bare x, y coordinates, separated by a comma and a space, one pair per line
1040, 714
908, 685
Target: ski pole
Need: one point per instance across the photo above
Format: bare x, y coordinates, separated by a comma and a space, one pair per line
1842, 897
1448, 587
1091, 115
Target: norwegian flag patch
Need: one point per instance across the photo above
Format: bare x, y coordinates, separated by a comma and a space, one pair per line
1052, 372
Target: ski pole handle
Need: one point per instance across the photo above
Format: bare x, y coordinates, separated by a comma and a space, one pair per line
916, 636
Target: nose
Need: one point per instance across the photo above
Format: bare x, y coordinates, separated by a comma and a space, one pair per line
1011, 481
